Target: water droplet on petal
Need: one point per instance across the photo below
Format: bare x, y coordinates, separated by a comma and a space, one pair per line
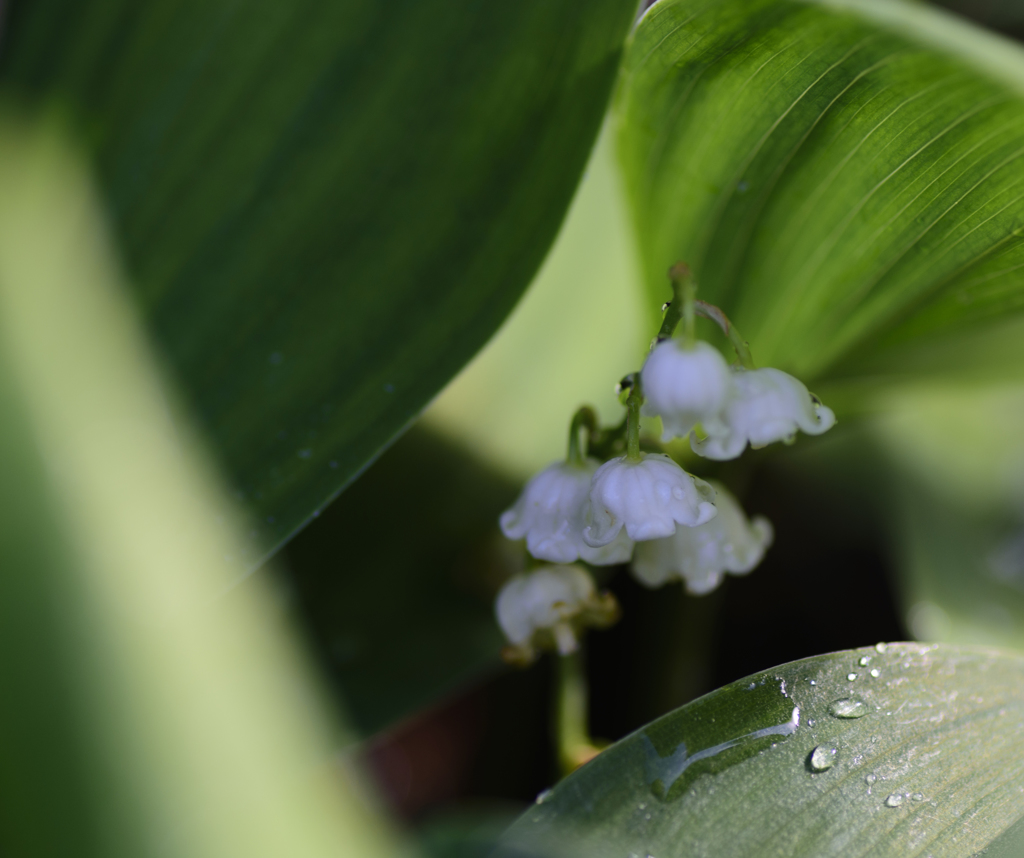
822, 758
917, 797
870, 779
851, 676
894, 800
848, 707
880, 647
875, 672
543, 796
865, 660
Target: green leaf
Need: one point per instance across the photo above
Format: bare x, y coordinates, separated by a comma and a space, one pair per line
846, 177
326, 208
580, 328
950, 457
464, 833
399, 622
927, 762
150, 707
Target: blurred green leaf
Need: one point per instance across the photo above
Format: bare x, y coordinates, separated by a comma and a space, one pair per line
954, 477
151, 709
465, 833
845, 176
400, 621
927, 762
326, 208
577, 331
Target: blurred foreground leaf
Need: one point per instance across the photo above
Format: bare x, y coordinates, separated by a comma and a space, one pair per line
914, 751
149, 711
846, 177
326, 208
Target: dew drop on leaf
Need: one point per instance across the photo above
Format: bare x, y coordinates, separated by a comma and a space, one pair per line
848, 707
822, 758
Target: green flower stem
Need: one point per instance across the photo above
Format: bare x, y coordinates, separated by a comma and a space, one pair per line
572, 736
684, 292
710, 311
633, 404
585, 418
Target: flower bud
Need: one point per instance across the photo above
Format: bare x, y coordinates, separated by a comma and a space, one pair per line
685, 386
766, 405
701, 555
550, 513
646, 498
547, 608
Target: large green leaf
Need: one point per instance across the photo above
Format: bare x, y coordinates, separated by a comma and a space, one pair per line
846, 177
913, 750
146, 712
581, 327
326, 208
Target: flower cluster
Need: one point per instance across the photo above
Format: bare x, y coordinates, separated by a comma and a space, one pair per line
691, 387
618, 502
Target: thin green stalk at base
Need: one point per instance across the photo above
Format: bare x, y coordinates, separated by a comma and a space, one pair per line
572, 735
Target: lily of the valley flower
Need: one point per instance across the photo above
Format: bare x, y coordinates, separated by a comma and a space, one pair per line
550, 513
702, 555
546, 609
766, 405
685, 385
647, 498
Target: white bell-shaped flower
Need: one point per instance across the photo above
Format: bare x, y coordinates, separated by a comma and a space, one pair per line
685, 386
646, 498
702, 555
550, 514
546, 609
766, 405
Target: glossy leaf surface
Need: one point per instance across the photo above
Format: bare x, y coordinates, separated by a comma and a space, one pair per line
915, 750
326, 209
846, 178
